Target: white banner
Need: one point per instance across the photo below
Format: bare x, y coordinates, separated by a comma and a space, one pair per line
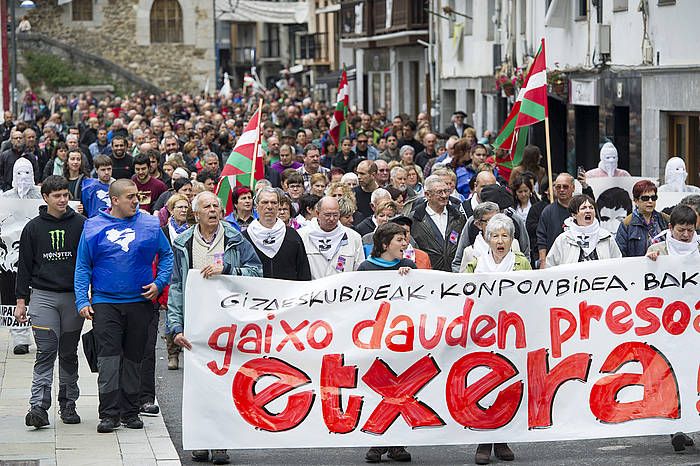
592, 350
14, 214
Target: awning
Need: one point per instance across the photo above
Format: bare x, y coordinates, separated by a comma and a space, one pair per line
268, 12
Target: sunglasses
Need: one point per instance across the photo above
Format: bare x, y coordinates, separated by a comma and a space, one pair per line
648, 198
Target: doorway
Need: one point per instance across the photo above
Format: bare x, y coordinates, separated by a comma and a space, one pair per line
684, 142
587, 136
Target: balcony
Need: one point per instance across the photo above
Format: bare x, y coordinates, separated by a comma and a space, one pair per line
406, 15
243, 55
355, 18
269, 50
313, 47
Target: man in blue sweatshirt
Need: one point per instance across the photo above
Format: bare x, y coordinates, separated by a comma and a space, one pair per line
115, 257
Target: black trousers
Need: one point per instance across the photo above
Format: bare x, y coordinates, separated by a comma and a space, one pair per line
148, 366
121, 330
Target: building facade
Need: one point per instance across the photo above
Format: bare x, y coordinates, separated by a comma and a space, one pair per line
166, 42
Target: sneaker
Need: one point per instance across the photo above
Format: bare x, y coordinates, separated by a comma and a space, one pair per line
200, 455
219, 457
69, 415
132, 422
21, 349
37, 417
399, 454
374, 454
173, 363
149, 409
107, 425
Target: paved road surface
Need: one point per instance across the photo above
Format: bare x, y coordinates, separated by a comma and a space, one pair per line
623, 451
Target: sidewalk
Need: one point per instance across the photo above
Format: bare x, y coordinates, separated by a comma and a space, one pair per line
61, 444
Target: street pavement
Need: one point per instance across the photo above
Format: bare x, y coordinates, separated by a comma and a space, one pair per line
633, 451
70, 445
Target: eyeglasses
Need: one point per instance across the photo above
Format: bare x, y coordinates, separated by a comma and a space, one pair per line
361, 142
648, 198
440, 192
295, 186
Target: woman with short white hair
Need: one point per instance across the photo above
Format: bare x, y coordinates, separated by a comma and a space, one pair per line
499, 235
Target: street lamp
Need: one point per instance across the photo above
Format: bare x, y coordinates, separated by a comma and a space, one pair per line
26, 4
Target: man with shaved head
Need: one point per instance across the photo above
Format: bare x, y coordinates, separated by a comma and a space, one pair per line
115, 256
551, 223
331, 247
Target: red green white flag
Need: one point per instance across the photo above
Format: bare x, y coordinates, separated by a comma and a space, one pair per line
245, 164
530, 107
338, 127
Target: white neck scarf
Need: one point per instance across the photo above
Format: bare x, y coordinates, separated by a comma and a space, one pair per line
481, 247
486, 263
268, 240
679, 248
608, 167
585, 237
326, 242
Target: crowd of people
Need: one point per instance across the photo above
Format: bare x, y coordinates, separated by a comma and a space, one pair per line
394, 194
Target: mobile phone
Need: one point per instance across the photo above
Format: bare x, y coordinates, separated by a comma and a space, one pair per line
581, 171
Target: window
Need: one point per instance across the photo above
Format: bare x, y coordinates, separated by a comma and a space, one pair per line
619, 5
666, 2
81, 10
490, 26
581, 9
468, 23
166, 21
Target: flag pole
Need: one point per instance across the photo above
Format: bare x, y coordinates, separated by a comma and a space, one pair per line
549, 159
257, 146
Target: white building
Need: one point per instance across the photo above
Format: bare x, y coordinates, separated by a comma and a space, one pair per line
631, 73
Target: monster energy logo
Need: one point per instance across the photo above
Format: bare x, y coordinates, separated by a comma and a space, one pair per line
58, 238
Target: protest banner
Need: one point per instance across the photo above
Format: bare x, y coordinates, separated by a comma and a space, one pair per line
14, 215
591, 350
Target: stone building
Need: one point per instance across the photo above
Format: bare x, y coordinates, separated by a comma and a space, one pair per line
169, 43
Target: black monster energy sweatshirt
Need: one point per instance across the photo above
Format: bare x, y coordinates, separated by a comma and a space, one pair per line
47, 252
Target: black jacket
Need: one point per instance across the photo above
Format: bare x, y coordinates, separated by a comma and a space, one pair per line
290, 262
48, 249
366, 226
424, 232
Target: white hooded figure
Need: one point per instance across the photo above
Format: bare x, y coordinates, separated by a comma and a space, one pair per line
608, 163
675, 176
23, 181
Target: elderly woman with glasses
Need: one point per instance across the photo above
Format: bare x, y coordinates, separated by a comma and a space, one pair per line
499, 258
637, 230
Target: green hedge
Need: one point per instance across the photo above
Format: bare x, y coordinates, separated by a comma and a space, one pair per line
55, 72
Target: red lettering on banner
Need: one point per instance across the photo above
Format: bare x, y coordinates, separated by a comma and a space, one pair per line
543, 383
435, 339
255, 339
463, 400
696, 322
587, 312
228, 349
251, 404
462, 322
407, 335
377, 325
311, 335
479, 335
660, 400
556, 315
399, 395
292, 335
507, 320
614, 321
334, 376
672, 326
642, 310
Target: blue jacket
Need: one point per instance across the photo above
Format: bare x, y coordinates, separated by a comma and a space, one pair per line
95, 196
115, 256
239, 259
632, 236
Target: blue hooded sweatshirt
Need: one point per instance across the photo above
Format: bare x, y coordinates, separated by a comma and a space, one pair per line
115, 256
95, 196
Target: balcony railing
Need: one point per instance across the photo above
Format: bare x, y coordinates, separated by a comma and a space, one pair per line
269, 49
313, 46
405, 15
243, 55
